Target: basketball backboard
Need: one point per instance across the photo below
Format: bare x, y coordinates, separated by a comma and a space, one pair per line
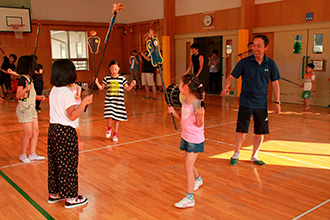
10, 16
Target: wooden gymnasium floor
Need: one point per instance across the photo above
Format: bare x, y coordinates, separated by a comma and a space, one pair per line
142, 175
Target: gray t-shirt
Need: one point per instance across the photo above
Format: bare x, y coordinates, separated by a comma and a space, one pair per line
214, 68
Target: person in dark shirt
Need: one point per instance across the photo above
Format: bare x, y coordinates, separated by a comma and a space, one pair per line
196, 64
197, 60
148, 70
38, 82
256, 71
8, 63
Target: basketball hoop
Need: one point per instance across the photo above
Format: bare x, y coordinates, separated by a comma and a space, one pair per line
18, 29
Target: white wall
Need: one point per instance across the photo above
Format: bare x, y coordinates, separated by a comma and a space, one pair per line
96, 10
134, 10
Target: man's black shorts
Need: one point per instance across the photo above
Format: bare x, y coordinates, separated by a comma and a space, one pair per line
7, 81
260, 118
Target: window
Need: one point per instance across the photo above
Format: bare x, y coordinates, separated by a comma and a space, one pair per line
297, 44
318, 43
70, 45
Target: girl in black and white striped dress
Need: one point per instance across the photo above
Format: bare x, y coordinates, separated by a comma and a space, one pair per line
114, 105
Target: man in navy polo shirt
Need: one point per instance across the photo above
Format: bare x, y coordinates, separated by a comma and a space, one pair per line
256, 71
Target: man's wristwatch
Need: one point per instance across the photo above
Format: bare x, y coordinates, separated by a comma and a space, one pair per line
277, 102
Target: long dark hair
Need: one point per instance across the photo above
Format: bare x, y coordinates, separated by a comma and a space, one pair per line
194, 85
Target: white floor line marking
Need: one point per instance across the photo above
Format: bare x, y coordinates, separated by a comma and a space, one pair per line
19, 164
220, 142
312, 209
227, 123
131, 142
152, 138
274, 155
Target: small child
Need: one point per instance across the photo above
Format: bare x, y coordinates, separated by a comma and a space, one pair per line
308, 85
76, 89
25, 111
63, 149
114, 105
192, 136
214, 75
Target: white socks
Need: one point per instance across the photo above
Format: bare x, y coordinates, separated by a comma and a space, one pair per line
235, 156
255, 158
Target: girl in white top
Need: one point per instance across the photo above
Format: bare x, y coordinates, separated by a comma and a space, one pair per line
63, 149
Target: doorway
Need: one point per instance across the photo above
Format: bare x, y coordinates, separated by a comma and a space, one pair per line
292, 52
206, 46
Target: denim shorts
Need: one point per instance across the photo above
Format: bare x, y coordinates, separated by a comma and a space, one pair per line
190, 147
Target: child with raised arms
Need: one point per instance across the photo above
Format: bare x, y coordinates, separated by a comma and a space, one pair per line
192, 136
25, 111
63, 152
114, 105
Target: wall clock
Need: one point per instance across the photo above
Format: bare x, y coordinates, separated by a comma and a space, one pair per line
207, 20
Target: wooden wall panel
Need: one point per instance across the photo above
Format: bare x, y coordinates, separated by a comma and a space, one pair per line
263, 16
234, 19
222, 20
183, 24
322, 9
291, 12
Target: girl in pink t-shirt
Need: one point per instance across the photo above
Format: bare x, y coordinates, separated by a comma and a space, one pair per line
76, 92
192, 136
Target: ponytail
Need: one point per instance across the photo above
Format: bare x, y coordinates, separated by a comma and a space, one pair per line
195, 86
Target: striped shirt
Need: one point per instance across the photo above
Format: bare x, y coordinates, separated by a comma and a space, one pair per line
114, 105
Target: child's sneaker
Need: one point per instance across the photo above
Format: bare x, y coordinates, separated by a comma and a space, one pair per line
36, 157
185, 203
108, 134
198, 183
54, 198
75, 202
115, 138
24, 158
